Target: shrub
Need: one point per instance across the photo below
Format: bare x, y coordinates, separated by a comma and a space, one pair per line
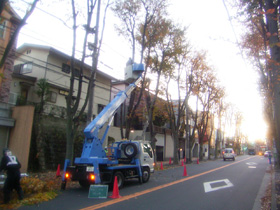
35, 191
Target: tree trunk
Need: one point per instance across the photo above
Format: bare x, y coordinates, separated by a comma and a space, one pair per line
130, 114
176, 147
70, 140
153, 140
201, 152
272, 23
217, 143
209, 145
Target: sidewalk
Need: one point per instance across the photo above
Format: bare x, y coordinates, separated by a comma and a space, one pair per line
273, 188
275, 191
194, 161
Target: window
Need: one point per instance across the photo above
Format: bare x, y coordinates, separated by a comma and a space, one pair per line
148, 149
13, 98
76, 73
66, 68
2, 28
26, 68
52, 97
100, 108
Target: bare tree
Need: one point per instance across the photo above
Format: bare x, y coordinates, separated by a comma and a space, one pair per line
238, 135
130, 12
262, 43
17, 29
221, 107
176, 109
206, 90
74, 114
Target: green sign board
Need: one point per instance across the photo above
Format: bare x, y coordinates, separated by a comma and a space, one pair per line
98, 191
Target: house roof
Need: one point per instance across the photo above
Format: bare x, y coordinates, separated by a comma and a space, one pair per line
59, 53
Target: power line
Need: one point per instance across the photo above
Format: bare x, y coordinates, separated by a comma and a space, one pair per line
51, 44
12, 30
49, 14
59, 47
232, 27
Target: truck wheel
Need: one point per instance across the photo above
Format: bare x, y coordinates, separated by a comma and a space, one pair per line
84, 183
145, 175
120, 179
130, 150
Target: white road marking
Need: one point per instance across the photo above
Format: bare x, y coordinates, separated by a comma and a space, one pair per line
224, 182
251, 163
252, 167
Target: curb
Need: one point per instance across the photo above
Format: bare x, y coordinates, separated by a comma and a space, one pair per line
265, 182
273, 190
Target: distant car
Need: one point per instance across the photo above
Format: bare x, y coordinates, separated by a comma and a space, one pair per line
267, 153
251, 152
228, 153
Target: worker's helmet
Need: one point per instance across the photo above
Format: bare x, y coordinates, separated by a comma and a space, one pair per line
6, 152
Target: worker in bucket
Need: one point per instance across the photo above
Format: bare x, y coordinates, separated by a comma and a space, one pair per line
11, 165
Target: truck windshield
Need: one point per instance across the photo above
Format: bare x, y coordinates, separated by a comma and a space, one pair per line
148, 149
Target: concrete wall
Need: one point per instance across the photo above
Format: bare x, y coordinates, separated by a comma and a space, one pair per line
20, 136
169, 147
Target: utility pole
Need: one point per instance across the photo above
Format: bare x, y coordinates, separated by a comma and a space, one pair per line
95, 55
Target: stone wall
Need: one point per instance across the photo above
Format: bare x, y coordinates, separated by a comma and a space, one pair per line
54, 138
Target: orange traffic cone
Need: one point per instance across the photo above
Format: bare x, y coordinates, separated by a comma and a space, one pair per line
169, 161
161, 166
197, 160
58, 171
185, 160
185, 171
115, 189
182, 163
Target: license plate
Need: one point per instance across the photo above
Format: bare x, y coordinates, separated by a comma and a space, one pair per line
90, 168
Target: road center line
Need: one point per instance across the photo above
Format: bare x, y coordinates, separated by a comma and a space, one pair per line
127, 197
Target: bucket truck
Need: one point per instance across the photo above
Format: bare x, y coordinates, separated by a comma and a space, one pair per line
125, 159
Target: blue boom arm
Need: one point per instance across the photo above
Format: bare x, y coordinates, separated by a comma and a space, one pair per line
93, 128
93, 146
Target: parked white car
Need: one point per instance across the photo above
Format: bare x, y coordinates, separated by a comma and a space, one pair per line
229, 153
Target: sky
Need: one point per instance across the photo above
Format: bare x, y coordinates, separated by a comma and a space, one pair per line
209, 29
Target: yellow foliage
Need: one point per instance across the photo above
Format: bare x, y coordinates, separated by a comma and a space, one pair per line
32, 185
35, 191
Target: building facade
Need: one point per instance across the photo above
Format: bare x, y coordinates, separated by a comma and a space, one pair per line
35, 62
9, 21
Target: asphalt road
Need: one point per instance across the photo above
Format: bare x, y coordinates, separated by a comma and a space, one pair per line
209, 185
